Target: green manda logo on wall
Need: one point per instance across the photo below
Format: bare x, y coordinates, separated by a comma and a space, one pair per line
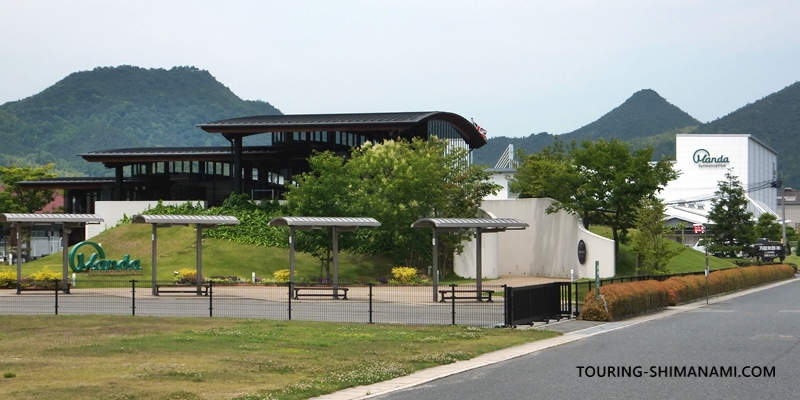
98, 262
703, 157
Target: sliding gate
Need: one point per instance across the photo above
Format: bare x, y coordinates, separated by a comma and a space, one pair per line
527, 304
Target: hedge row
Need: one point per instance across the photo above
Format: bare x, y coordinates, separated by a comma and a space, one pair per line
620, 300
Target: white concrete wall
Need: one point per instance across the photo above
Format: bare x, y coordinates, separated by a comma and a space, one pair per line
113, 211
549, 247
500, 177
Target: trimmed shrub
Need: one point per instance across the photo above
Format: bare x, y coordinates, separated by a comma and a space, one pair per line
632, 298
594, 310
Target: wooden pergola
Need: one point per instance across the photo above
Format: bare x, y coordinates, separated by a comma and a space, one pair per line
166, 221
68, 221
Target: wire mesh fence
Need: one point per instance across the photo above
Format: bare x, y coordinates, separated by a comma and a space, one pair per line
384, 304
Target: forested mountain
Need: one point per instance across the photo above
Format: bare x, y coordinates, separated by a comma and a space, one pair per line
644, 114
775, 120
117, 107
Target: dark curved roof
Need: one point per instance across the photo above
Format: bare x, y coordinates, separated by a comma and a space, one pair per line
389, 121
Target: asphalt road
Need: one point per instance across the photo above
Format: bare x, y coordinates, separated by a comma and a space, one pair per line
755, 334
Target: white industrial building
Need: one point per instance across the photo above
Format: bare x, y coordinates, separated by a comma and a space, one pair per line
704, 159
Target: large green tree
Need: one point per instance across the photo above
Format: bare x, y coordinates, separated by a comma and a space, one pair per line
395, 182
732, 228
16, 199
601, 181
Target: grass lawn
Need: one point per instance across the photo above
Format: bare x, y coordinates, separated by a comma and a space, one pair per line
688, 260
119, 357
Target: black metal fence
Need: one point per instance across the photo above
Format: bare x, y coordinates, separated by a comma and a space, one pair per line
544, 302
397, 304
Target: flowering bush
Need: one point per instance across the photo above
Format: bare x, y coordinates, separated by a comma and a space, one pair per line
8, 279
45, 275
404, 275
281, 275
186, 276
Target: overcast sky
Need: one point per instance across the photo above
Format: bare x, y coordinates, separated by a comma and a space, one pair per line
516, 67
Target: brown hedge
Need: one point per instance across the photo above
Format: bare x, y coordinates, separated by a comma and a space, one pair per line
633, 298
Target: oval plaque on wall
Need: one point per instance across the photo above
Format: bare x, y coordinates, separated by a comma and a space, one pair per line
581, 251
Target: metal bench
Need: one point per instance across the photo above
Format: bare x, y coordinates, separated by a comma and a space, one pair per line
466, 294
182, 289
61, 288
319, 291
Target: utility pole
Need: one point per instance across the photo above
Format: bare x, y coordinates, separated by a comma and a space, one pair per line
783, 217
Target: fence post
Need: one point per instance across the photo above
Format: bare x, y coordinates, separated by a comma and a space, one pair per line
133, 297
453, 301
55, 285
577, 300
508, 306
291, 285
211, 298
370, 301
597, 279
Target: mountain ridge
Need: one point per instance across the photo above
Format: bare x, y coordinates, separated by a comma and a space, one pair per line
128, 106
117, 107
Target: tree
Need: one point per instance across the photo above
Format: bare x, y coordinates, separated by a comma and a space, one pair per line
651, 242
732, 229
17, 199
766, 227
325, 191
603, 182
553, 174
401, 182
397, 183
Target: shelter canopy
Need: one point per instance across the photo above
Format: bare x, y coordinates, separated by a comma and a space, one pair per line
320, 222
168, 220
481, 226
209, 221
68, 221
51, 218
466, 223
338, 224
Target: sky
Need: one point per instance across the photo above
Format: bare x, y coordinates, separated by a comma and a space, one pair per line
516, 67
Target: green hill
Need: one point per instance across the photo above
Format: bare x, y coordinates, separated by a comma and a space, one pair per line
117, 107
643, 115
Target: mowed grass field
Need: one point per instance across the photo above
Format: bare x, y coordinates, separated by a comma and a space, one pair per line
119, 357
